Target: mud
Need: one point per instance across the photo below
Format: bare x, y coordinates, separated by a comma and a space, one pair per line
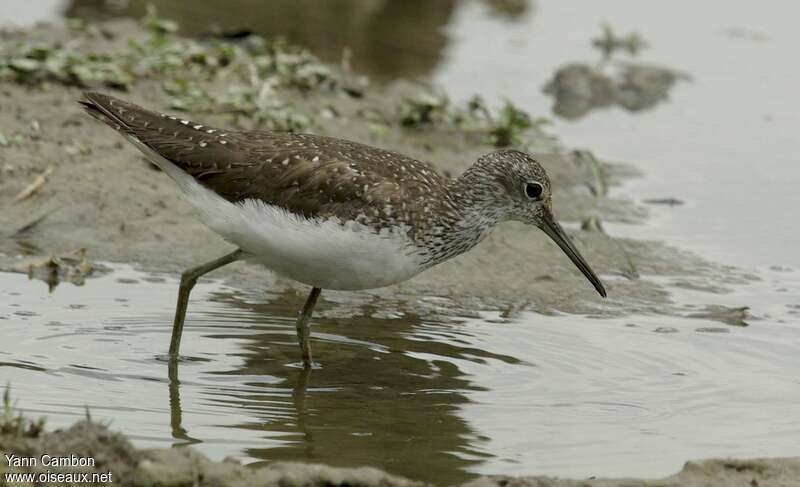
581, 88
113, 452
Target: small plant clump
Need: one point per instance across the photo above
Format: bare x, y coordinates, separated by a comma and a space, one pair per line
242, 78
164, 54
507, 127
422, 109
510, 124
252, 70
36, 63
16, 424
609, 42
9, 140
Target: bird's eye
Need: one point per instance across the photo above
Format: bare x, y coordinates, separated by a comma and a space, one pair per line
533, 190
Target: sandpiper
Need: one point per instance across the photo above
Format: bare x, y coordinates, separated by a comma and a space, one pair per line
331, 213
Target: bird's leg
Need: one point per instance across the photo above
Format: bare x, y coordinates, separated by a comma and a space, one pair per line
176, 413
300, 393
188, 280
303, 325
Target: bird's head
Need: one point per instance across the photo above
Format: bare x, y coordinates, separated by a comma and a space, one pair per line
521, 187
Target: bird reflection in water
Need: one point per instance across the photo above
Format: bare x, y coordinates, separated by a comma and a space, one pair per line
388, 394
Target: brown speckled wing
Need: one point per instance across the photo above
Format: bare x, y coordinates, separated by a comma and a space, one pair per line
305, 174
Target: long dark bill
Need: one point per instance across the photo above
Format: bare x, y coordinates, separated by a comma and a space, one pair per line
554, 231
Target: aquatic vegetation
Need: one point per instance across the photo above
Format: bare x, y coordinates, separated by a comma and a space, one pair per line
599, 183
248, 70
579, 88
156, 24
507, 126
423, 109
508, 9
9, 140
609, 42
734, 316
36, 63
16, 424
73, 267
246, 78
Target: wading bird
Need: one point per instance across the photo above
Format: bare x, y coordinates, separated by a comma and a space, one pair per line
331, 213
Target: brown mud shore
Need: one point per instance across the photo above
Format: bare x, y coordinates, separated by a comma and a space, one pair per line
67, 182
113, 452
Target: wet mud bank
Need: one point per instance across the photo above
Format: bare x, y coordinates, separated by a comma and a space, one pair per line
112, 454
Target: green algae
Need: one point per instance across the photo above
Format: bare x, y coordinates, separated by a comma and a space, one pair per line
245, 79
15, 424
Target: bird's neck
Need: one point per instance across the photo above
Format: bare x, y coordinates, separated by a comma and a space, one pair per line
467, 213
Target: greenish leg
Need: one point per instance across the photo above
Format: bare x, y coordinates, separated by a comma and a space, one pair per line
188, 280
304, 326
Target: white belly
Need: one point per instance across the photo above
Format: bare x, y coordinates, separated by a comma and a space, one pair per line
317, 252
321, 253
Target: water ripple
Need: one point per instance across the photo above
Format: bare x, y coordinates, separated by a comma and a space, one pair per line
553, 394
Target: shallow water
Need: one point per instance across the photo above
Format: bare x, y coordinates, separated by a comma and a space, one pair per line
438, 401
725, 143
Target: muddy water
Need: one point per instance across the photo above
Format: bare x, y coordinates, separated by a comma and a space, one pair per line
438, 401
